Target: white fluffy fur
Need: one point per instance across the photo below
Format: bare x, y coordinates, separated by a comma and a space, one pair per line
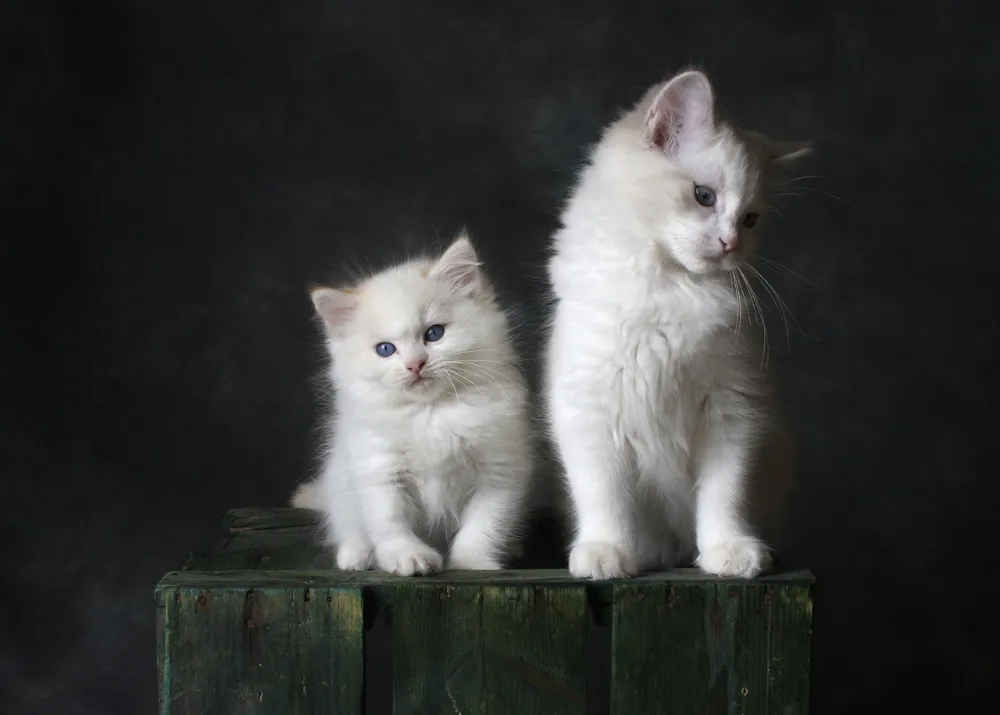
654, 389
417, 466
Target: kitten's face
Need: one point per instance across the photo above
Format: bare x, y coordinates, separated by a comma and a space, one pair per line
419, 330
702, 184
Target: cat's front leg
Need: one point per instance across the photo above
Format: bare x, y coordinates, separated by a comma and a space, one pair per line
601, 486
726, 543
390, 515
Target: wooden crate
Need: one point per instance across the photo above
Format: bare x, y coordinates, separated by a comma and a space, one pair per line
264, 624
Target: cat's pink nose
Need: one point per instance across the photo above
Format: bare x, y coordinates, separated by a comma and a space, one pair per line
415, 366
729, 244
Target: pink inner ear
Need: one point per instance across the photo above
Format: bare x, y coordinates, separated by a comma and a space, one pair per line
335, 307
458, 267
682, 110
660, 134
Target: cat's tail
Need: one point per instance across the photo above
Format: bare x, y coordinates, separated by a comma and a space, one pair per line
306, 496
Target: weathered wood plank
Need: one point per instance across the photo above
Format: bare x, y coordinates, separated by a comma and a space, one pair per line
535, 639
659, 658
789, 612
683, 641
732, 648
275, 553
541, 577
260, 519
746, 654
489, 650
435, 648
261, 651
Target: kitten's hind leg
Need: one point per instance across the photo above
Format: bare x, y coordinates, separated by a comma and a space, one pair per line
656, 550
390, 516
346, 534
342, 527
307, 496
354, 555
489, 521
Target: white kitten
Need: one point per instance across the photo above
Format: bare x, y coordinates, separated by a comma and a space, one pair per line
430, 443
654, 389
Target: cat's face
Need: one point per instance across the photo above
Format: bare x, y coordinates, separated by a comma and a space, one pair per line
718, 205
705, 181
416, 331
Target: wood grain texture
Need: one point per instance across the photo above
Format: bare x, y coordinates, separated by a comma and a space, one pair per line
262, 623
489, 650
539, 577
726, 648
263, 651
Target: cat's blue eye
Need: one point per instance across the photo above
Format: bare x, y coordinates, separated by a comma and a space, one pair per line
434, 333
385, 349
704, 195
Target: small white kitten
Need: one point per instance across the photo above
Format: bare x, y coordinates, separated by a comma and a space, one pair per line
654, 389
430, 444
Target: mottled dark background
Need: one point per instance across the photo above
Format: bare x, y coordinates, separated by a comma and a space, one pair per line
174, 173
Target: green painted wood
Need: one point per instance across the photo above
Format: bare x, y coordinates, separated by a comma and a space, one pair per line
272, 553
789, 626
488, 650
722, 647
384, 585
690, 643
262, 651
260, 519
658, 651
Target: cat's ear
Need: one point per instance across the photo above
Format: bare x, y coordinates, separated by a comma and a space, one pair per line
334, 306
787, 152
458, 267
683, 111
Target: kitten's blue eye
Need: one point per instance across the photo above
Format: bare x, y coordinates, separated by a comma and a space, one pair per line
385, 349
704, 195
434, 333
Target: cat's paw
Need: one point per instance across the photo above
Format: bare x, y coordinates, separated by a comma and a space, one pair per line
740, 558
407, 558
596, 560
354, 556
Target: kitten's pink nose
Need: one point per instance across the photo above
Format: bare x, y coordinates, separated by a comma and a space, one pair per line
729, 244
415, 366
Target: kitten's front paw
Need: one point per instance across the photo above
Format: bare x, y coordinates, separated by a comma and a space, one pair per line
742, 558
354, 556
406, 558
599, 561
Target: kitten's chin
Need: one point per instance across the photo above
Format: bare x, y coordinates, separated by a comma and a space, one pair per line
425, 389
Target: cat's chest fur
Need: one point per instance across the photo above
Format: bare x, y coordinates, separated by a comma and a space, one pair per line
439, 447
657, 345
664, 336
670, 355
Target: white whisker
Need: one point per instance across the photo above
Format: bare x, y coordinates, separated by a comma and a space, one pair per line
783, 267
765, 347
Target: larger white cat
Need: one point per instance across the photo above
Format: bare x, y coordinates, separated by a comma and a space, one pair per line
430, 443
654, 389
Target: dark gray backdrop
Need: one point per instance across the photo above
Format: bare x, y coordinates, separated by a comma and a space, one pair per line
174, 173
